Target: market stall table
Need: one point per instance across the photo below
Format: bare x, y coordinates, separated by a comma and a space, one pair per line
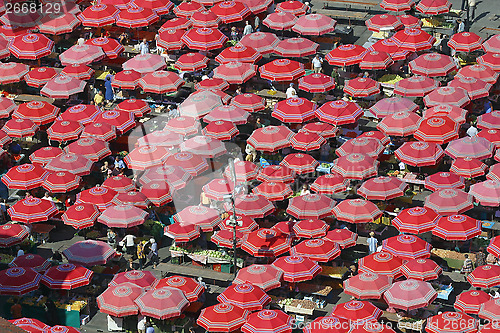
333, 272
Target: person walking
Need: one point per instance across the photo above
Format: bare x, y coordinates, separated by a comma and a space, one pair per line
109, 93
153, 248
129, 241
372, 243
141, 253
467, 267
471, 11
480, 257
317, 63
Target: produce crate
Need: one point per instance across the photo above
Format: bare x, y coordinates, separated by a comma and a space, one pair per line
226, 268
216, 267
198, 264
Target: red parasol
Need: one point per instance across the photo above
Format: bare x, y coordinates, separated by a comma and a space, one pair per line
123, 121
160, 82
58, 23
31, 210
416, 220
343, 237
266, 277
12, 234
410, 294
355, 166
176, 23
102, 197
205, 19
449, 201
245, 295
368, 146
465, 42
33, 261
407, 247
362, 87
346, 55
203, 146
266, 243
297, 269
479, 72
63, 87
81, 54
307, 141
421, 269
190, 287
161, 7
118, 301
494, 247
39, 112
383, 22
433, 7
276, 173
282, 70
468, 167
382, 188
145, 63
268, 321
415, 86
471, 301
490, 311
485, 276
174, 175
357, 311
367, 285
262, 42
238, 53
294, 110
19, 128
457, 227
491, 60
44, 155
491, 135
311, 206
397, 5
90, 148
223, 317
206, 218
442, 180
328, 324
142, 279
356, 211
64, 130
133, 198
339, 112
134, 17
374, 60
162, 303
451, 322
433, 64
221, 130
475, 88
136, 106
273, 191
89, 253
489, 120
24, 177
80, 216
39, 76
192, 163
474, 147
280, 20
235, 72
204, 39
18, 281
61, 182
254, 206
11, 72
98, 15
31, 46
226, 238
325, 130
67, 276
321, 250
101, 131
294, 7
389, 46
390, 106
413, 39
171, 39
122, 216
190, 62
316, 82
126, 79
300, 163
161, 138
440, 130
157, 192
270, 138
381, 263
314, 25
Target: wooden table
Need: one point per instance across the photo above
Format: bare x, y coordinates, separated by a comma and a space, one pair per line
28, 98
314, 289
366, 4
303, 307
265, 93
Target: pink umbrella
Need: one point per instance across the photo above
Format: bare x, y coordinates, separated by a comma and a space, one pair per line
367, 285
31, 46
489, 120
475, 88
63, 87
383, 22
73, 163
487, 193
160, 82
339, 112
381, 263
314, 24
295, 47
346, 55
204, 39
492, 44
438, 322
442, 180
410, 294
480, 72
317, 82
433, 7
297, 269
280, 20
204, 19
373, 60
89, 252
262, 42
235, 72
491, 135
56, 24
273, 191
437, 129
356, 211
415, 86
206, 218
362, 87
310, 206
432, 64
450, 111
81, 54
203, 146
321, 250
122, 216
368, 146
282, 70
145, 63
389, 106
325, 130
264, 276
254, 206
390, 47
198, 105
474, 147
11, 72
244, 170
162, 303
161, 7
295, 7
397, 5
449, 201
491, 60
382, 188
410, 21
490, 311
468, 167
98, 15
276, 173
329, 184
355, 166
238, 53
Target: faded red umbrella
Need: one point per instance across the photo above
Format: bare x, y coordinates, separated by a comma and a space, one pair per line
437, 129
176, 23
397, 5
206, 218
367, 285
382, 188
254, 206
78, 71
300, 163
133, 198
329, 324
433, 7
356, 166
407, 247
24, 177
449, 201
491, 60
101, 131
145, 63
204, 146
163, 303
244, 171
491, 135
474, 147
454, 112
410, 21
362, 87
307, 141
189, 286
471, 301
487, 193
266, 243
31, 46
311, 206
212, 83
457, 228
231, 11
98, 15
381, 263
414, 39
447, 95
142, 279
262, 42
280, 20
186, 9
7, 106
343, 237
192, 163
475, 88
357, 311
346, 55
416, 220
266, 277
205, 19
432, 64
383, 22
11, 72
459, 322
122, 216
480, 72
468, 167
80, 216
356, 211
410, 294
245, 295
67, 277
314, 25
465, 42
489, 120
222, 317
316, 83
90, 148
490, 311
295, 47
162, 138
57, 24
136, 106
118, 300
102, 197
33, 261
245, 224
273, 191
339, 112
374, 60
238, 53
392, 105
160, 82
421, 269
204, 39
44, 155
368, 146
61, 182
442, 180
123, 121
157, 192
161, 7
325, 130
276, 173
217, 189
282, 70
292, 6
9, 31
297, 269
173, 175
39, 76
235, 72
485, 276
144, 157
268, 321
81, 54
62, 87
270, 138
89, 253
415, 86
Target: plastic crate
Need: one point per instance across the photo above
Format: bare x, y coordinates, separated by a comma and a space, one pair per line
217, 267
226, 268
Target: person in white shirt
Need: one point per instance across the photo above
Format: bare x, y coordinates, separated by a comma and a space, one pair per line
248, 29
46, 196
144, 46
129, 241
291, 92
141, 323
305, 190
317, 63
472, 131
402, 166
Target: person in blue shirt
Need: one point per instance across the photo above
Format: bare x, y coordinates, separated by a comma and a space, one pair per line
119, 166
372, 243
487, 106
109, 93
